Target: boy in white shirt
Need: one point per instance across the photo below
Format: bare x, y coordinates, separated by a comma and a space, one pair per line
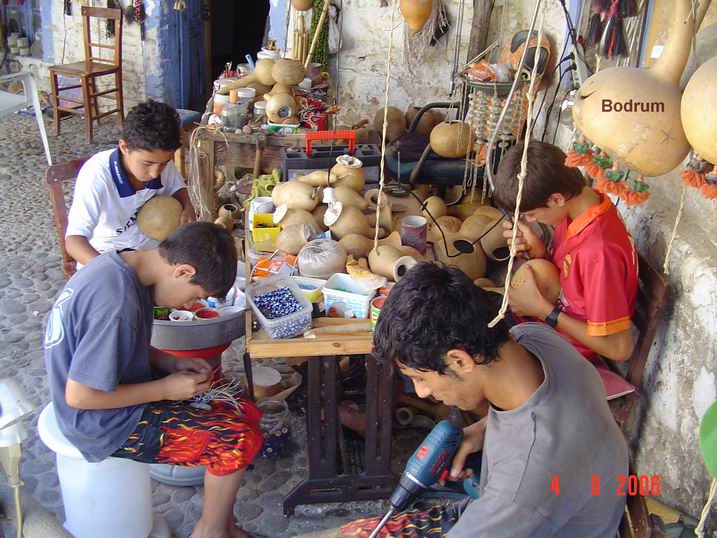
113, 185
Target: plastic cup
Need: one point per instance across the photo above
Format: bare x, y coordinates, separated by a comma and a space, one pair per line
181, 315
413, 232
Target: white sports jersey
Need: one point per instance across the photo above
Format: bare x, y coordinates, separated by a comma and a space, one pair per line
105, 204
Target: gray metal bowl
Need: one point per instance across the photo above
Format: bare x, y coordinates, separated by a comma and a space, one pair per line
198, 334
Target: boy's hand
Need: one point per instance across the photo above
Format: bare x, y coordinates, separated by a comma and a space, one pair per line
188, 215
199, 366
473, 438
527, 300
184, 384
525, 241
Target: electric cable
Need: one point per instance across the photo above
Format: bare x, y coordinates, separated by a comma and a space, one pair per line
545, 93
552, 104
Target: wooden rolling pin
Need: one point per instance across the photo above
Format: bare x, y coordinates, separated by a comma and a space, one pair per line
356, 328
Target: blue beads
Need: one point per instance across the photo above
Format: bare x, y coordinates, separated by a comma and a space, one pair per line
277, 304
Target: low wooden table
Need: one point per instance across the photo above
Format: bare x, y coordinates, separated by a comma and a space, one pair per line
324, 483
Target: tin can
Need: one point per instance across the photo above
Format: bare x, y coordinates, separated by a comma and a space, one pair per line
376, 305
161, 312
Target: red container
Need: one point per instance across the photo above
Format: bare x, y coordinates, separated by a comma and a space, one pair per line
207, 313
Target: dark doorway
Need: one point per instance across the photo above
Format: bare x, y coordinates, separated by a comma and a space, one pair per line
237, 29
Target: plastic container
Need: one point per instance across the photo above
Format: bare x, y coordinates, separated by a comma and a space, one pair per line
283, 128
264, 232
287, 326
341, 288
311, 287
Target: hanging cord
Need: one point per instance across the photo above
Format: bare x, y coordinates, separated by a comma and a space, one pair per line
379, 197
494, 134
680, 210
521, 175
700, 530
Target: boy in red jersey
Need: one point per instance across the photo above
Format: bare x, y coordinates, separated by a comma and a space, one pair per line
592, 249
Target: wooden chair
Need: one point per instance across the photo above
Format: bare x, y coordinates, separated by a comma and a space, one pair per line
652, 296
88, 71
55, 175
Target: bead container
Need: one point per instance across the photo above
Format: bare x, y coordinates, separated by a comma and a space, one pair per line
280, 306
275, 426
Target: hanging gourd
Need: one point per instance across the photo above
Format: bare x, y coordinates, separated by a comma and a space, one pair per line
633, 114
301, 5
698, 120
416, 13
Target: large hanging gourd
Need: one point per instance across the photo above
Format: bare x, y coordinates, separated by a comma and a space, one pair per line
416, 13
633, 114
698, 120
451, 139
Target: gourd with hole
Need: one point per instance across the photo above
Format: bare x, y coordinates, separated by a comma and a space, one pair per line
159, 216
349, 172
547, 277
473, 264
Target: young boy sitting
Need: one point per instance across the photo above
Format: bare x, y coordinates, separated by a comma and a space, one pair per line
592, 249
99, 365
113, 185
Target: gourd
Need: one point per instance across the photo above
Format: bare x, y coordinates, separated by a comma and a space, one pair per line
493, 243
547, 277
416, 13
159, 216
700, 122
292, 238
351, 220
295, 195
348, 196
286, 71
350, 173
435, 207
474, 226
359, 246
298, 216
280, 106
318, 178
451, 139
429, 119
396, 123
262, 73
464, 210
390, 262
473, 264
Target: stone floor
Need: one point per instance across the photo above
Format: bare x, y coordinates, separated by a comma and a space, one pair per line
30, 276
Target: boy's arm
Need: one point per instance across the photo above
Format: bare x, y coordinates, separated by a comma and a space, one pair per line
189, 214
529, 302
79, 247
177, 386
169, 363
526, 240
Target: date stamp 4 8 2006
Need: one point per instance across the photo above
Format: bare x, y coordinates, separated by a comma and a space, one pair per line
626, 485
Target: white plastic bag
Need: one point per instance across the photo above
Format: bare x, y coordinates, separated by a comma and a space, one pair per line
334, 37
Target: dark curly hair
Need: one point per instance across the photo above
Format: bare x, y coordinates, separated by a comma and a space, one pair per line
432, 310
210, 249
151, 126
547, 175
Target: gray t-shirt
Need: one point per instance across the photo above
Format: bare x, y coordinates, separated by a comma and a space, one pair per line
564, 430
98, 334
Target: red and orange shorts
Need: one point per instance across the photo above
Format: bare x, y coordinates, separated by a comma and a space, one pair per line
225, 439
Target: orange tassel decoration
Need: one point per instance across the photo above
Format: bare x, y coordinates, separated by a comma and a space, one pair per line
579, 154
614, 180
596, 168
694, 172
636, 192
709, 189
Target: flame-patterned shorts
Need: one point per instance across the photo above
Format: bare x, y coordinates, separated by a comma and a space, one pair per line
224, 439
427, 521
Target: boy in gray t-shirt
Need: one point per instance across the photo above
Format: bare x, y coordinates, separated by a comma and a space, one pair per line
549, 437
99, 367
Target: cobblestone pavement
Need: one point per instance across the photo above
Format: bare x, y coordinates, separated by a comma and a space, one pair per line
30, 276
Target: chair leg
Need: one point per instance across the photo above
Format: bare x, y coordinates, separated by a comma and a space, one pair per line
95, 104
87, 108
120, 98
55, 102
31, 92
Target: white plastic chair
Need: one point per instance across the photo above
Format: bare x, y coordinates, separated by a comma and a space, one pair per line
9, 102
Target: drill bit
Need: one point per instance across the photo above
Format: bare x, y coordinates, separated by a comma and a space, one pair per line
381, 523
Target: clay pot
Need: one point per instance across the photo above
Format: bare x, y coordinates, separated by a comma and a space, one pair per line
349, 172
547, 276
464, 210
289, 72
650, 138
302, 5
159, 216
452, 139
226, 221
280, 106
292, 238
231, 210
396, 123
428, 120
473, 264
390, 262
474, 226
295, 216
359, 246
493, 243
296, 195
350, 220
435, 207
416, 13
698, 120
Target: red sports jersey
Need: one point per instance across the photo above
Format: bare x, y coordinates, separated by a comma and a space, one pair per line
598, 271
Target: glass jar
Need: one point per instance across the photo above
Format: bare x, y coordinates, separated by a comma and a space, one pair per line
276, 428
233, 114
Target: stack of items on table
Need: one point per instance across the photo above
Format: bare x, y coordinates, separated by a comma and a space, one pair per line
278, 96
312, 249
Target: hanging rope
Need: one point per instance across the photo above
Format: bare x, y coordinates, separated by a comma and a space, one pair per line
700, 530
379, 197
521, 175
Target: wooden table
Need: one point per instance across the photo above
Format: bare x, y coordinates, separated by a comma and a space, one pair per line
324, 482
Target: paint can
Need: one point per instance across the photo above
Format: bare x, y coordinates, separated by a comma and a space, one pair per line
376, 305
161, 312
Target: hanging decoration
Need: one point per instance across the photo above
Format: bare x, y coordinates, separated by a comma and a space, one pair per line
605, 26
180, 5
421, 34
67, 7
596, 23
139, 15
111, 4
632, 114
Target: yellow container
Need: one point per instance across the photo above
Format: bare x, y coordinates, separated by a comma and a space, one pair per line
311, 287
264, 232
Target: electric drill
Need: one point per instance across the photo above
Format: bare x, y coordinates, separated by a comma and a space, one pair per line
428, 464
